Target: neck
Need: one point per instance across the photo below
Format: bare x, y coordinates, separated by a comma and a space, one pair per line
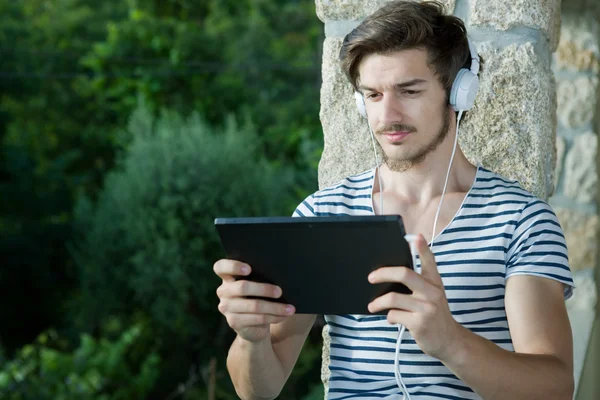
424, 182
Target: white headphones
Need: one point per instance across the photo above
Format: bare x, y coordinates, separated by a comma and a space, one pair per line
463, 92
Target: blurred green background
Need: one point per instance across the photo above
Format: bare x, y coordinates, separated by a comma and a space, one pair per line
126, 127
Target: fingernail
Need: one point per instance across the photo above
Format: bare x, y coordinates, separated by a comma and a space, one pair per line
277, 292
245, 269
289, 309
370, 277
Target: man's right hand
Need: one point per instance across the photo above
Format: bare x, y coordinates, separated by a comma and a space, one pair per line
250, 318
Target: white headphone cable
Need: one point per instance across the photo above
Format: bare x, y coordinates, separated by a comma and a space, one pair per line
377, 168
401, 328
397, 374
437, 213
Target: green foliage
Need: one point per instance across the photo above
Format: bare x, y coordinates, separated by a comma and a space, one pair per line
148, 244
257, 57
50, 151
71, 73
40, 60
150, 241
96, 369
306, 372
316, 393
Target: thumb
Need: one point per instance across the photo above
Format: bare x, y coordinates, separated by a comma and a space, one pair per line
428, 265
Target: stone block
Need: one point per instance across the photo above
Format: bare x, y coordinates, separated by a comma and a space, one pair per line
582, 314
511, 129
577, 101
504, 15
347, 144
578, 49
325, 358
561, 147
581, 175
569, 56
358, 9
581, 234
585, 295
580, 7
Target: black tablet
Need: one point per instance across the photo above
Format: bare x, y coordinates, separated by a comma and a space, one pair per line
321, 263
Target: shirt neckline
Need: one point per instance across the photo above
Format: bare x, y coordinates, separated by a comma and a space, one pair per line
458, 212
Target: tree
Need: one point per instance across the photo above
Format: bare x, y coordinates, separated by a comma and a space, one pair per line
148, 245
72, 72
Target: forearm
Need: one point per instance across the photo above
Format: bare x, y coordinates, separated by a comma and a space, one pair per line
255, 369
495, 373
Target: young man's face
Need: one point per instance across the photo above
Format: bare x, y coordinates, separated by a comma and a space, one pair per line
406, 106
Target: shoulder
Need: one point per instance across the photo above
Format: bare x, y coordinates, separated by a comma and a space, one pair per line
503, 204
496, 186
532, 219
496, 194
500, 188
537, 244
351, 193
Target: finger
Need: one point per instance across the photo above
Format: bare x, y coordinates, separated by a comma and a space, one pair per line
227, 269
400, 317
404, 275
255, 306
241, 321
395, 301
244, 288
429, 267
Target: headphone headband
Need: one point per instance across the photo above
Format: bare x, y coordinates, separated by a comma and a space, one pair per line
474, 57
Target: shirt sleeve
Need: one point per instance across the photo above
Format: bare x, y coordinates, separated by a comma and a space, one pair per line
538, 246
306, 208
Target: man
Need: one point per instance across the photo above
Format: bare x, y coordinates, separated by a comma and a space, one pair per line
486, 317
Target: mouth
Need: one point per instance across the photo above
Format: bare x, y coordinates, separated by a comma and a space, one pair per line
396, 136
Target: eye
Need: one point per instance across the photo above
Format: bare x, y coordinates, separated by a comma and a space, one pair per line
371, 96
411, 92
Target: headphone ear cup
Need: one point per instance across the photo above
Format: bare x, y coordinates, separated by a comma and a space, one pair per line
464, 90
360, 104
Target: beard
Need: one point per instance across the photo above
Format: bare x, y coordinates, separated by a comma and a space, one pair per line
402, 165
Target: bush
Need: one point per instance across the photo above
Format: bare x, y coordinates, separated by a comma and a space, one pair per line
97, 369
148, 245
71, 75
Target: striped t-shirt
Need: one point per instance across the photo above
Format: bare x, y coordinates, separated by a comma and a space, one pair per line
500, 231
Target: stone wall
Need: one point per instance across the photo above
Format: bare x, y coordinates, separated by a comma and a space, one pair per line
515, 109
512, 128
576, 68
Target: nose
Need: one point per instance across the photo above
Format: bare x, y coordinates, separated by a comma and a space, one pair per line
390, 111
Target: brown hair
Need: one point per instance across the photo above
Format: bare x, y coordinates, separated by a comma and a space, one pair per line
402, 25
